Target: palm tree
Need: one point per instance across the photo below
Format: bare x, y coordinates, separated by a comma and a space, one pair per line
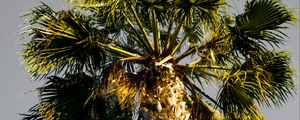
154, 59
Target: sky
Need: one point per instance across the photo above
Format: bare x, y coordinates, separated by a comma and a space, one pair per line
17, 91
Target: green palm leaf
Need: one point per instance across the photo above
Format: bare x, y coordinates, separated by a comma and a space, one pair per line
273, 77
65, 41
54, 44
259, 25
264, 78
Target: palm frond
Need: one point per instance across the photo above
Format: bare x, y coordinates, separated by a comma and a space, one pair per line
265, 78
190, 14
206, 10
272, 80
74, 97
34, 114
260, 25
54, 44
233, 95
65, 41
250, 31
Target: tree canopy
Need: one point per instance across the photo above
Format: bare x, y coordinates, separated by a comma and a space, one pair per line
131, 59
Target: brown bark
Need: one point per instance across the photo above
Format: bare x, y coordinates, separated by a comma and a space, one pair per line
164, 95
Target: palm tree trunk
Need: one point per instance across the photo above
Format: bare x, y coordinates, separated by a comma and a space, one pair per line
164, 97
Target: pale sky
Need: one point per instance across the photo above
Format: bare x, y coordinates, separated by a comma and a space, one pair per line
17, 91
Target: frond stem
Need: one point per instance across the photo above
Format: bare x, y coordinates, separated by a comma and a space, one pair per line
182, 40
139, 58
156, 34
118, 50
195, 48
146, 37
170, 43
140, 41
207, 66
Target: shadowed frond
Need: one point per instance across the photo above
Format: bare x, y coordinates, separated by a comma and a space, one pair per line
76, 97
204, 111
34, 114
